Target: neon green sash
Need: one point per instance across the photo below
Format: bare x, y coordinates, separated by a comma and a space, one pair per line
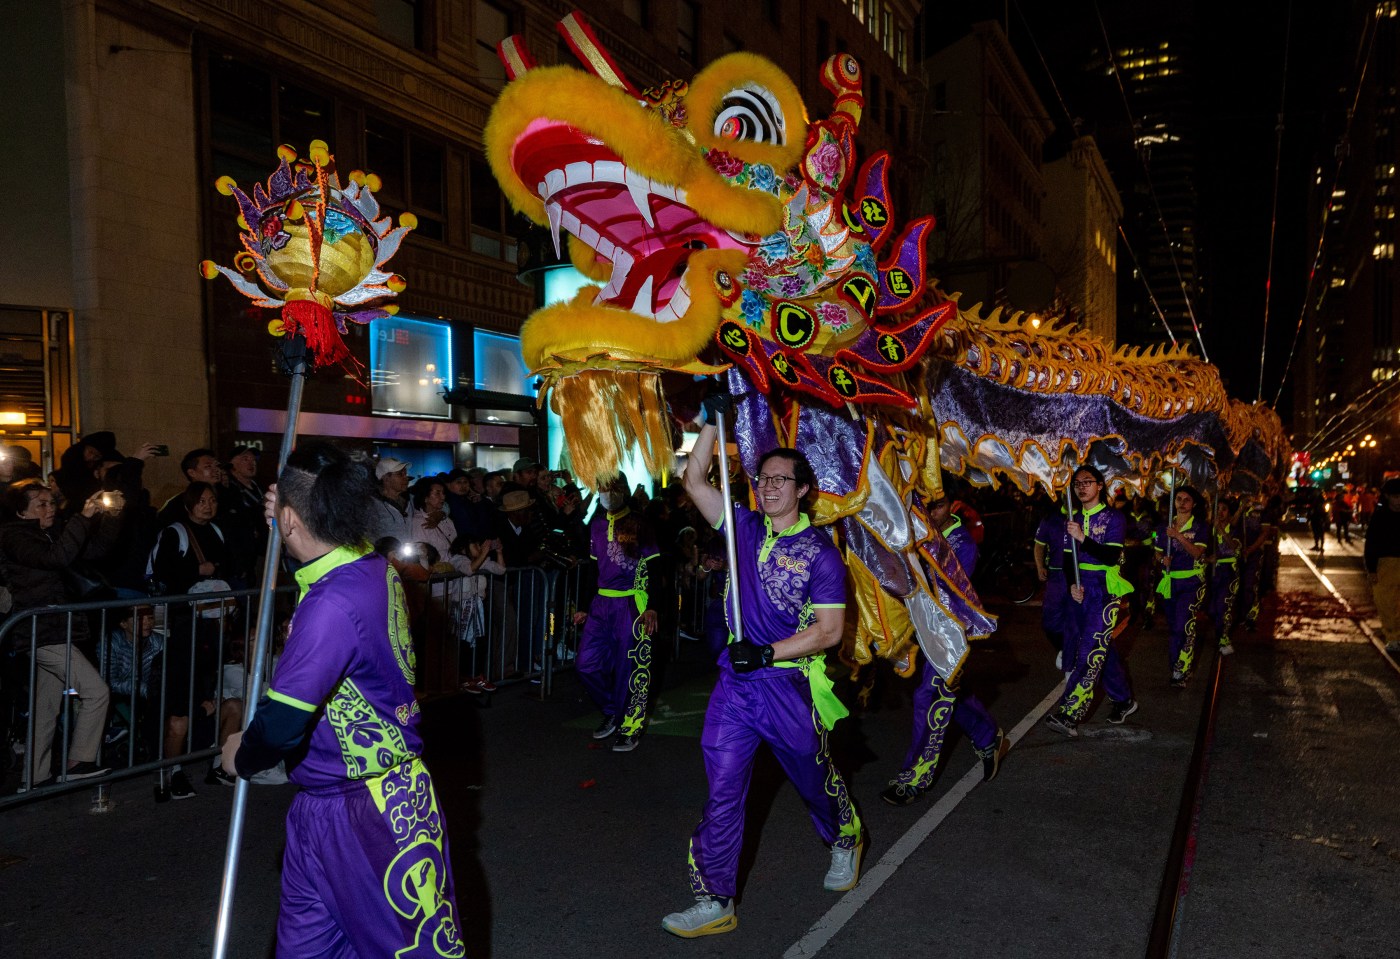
1164, 585
1113, 578
829, 708
639, 596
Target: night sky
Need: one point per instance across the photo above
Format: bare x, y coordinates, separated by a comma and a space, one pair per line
1240, 68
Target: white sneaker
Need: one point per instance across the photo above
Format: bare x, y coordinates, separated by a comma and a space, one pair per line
1227, 649
706, 918
1060, 660
845, 868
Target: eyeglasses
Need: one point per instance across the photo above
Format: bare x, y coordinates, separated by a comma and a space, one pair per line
1085, 484
763, 479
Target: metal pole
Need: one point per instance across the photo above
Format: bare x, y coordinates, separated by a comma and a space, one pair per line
294, 352
729, 550
1069, 517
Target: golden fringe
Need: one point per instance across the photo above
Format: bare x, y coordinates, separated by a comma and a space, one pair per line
604, 414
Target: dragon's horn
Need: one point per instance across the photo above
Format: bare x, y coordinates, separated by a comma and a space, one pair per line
515, 56
584, 42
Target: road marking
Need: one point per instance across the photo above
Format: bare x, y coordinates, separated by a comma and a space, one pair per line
1361, 624
826, 928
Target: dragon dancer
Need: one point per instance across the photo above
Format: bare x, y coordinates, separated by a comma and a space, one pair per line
614, 652
935, 703
1181, 548
1225, 579
366, 870
772, 685
1055, 603
1097, 531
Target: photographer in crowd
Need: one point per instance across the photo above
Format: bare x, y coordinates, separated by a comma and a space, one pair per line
36, 550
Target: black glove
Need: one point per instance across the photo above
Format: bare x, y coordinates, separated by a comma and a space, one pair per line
716, 401
745, 656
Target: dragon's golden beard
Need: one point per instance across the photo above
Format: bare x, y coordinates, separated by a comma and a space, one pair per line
604, 413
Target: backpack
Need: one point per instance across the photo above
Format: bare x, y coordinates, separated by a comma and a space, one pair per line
182, 533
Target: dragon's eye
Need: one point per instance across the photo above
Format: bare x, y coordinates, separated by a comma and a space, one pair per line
752, 114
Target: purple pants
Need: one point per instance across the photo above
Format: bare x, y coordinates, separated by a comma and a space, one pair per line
1249, 588
1054, 613
1090, 635
614, 660
1187, 598
934, 705
775, 709
366, 872
1224, 587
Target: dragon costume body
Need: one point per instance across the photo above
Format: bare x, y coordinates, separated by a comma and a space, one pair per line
729, 233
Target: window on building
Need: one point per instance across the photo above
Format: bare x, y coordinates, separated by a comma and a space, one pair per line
636, 11
490, 25
411, 170
858, 8
901, 49
410, 366
887, 29
687, 30
303, 116
490, 234
401, 21
240, 107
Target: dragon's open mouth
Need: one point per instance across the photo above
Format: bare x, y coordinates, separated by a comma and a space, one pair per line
642, 227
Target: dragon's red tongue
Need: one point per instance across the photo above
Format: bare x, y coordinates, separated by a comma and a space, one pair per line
660, 267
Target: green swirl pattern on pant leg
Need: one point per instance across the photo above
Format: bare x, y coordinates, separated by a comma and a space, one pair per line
1187, 657
940, 713
1228, 620
639, 680
1077, 702
697, 881
848, 825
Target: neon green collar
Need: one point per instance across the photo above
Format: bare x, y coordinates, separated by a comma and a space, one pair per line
1093, 511
614, 517
314, 570
771, 538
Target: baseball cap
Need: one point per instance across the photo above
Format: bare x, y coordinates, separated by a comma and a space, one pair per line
388, 465
242, 448
525, 463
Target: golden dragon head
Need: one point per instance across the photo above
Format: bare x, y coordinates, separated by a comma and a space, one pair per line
719, 223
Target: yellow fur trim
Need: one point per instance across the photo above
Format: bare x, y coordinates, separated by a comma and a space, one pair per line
585, 260
734, 71
642, 138
581, 328
734, 208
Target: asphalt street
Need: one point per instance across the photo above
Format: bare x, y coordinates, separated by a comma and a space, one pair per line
561, 848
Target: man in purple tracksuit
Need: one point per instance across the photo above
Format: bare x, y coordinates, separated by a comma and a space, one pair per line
366, 870
1098, 531
1225, 580
772, 685
614, 652
1181, 547
935, 702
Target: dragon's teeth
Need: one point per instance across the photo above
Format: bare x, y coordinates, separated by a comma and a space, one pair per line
556, 215
640, 188
553, 182
609, 171
642, 304
579, 173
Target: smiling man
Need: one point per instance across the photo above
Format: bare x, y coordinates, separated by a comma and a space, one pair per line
772, 685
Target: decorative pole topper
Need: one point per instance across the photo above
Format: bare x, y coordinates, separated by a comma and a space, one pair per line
317, 249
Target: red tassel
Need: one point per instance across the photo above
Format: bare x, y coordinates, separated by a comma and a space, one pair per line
315, 322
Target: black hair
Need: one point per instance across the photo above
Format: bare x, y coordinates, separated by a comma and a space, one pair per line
1092, 471
801, 469
421, 489
192, 457
1198, 502
194, 492
386, 545
332, 493
19, 495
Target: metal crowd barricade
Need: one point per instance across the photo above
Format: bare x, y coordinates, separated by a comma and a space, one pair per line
214, 619
505, 628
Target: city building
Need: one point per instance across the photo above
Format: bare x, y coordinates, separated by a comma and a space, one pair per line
1082, 212
123, 113
981, 134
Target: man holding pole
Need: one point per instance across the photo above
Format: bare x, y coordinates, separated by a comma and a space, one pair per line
1093, 552
366, 870
790, 585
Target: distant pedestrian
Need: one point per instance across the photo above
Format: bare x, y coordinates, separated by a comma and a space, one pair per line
1181, 547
